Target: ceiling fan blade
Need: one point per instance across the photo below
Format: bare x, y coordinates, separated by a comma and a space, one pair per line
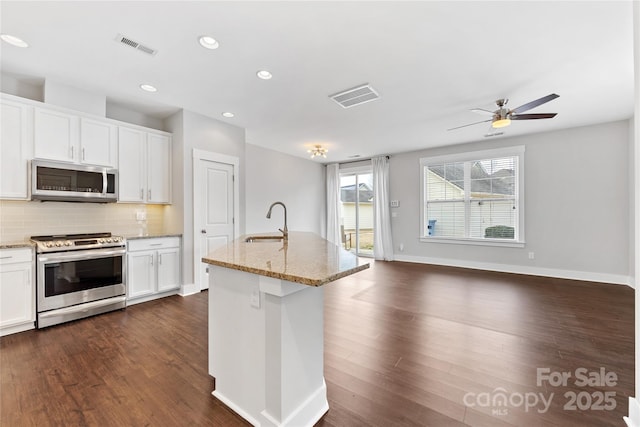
470, 124
482, 111
533, 104
533, 116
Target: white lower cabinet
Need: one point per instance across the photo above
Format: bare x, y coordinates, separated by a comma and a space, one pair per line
17, 291
153, 268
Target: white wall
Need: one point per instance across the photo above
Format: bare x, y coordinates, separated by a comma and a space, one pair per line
636, 189
66, 96
21, 86
192, 130
582, 172
125, 114
298, 183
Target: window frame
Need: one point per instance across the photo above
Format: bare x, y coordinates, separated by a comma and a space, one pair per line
519, 236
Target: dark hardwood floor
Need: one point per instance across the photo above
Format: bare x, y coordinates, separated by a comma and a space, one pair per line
405, 345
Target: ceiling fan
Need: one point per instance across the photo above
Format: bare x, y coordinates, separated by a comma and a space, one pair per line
502, 116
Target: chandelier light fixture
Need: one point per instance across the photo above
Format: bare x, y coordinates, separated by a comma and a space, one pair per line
318, 151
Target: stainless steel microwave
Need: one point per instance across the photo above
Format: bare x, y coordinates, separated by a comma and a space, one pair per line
72, 182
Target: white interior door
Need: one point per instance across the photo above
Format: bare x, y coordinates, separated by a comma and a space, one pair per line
214, 206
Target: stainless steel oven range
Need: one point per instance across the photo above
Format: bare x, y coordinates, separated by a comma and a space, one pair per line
78, 275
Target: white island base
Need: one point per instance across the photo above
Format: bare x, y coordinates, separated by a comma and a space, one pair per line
266, 347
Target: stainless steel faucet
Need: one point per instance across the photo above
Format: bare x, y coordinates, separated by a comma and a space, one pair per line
285, 230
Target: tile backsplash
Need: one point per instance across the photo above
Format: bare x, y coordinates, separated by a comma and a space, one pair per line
20, 220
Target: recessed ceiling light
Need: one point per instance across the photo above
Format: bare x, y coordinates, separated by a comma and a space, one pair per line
228, 114
13, 40
148, 88
264, 75
208, 42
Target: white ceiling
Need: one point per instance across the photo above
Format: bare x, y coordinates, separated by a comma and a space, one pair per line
430, 62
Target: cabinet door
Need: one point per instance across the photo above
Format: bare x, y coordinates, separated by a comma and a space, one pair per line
56, 135
16, 149
98, 143
159, 165
168, 269
131, 165
141, 276
16, 294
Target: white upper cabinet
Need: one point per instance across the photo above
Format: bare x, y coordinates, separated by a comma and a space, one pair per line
71, 138
159, 168
16, 149
56, 135
132, 150
98, 142
144, 166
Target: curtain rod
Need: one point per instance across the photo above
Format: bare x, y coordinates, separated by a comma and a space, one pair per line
360, 160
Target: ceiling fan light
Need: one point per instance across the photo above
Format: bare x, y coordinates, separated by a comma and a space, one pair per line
501, 123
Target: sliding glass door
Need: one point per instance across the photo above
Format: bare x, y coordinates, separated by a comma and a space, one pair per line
356, 209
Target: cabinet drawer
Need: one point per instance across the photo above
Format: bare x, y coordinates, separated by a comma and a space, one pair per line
154, 243
12, 256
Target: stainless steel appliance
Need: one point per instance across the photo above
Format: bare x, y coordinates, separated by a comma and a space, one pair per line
72, 182
78, 275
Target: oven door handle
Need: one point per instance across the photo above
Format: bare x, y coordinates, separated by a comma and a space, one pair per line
80, 255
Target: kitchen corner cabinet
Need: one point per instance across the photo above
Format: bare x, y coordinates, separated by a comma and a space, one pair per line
16, 149
71, 138
144, 166
17, 291
153, 268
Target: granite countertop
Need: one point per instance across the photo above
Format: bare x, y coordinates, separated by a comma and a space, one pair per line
306, 258
153, 236
16, 245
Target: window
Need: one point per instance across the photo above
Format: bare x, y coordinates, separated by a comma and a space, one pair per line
475, 198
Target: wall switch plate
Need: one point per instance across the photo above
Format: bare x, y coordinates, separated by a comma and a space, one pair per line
395, 203
255, 298
532, 255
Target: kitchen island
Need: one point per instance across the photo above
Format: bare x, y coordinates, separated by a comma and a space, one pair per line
266, 325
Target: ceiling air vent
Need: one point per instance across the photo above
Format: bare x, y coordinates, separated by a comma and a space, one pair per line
134, 44
355, 96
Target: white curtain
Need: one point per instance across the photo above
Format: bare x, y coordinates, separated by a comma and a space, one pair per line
382, 243
333, 204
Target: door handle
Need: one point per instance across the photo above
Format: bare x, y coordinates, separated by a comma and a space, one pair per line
141, 193
203, 231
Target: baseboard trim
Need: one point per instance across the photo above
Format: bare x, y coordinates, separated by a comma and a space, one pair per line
633, 420
188, 289
587, 276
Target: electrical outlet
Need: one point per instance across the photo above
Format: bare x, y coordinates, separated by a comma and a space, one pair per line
141, 215
532, 255
395, 203
401, 247
255, 298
